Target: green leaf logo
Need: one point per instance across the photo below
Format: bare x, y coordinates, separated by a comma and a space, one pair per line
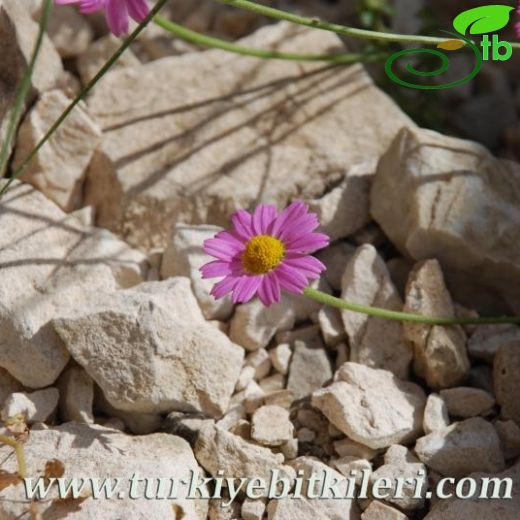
483, 20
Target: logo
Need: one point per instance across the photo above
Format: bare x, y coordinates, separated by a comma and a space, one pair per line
480, 21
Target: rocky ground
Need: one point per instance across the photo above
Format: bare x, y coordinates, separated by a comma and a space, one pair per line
115, 359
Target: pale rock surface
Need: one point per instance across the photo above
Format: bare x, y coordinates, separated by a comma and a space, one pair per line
336, 257
91, 451
282, 398
253, 509
253, 325
487, 339
327, 505
34, 406
217, 449
76, 395
271, 122
467, 402
375, 342
372, 406
401, 465
69, 31
381, 511
18, 33
90, 62
473, 508
273, 383
509, 433
460, 449
443, 183
139, 423
349, 448
440, 352
129, 266
151, 351
506, 381
280, 357
271, 426
331, 325
184, 256
41, 278
260, 362
353, 467
435, 414
345, 209
58, 169
310, 369
8, 386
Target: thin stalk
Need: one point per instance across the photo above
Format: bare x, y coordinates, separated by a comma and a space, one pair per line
84, 92
23, 90
216, 43
378, 312
20, 456
353, 32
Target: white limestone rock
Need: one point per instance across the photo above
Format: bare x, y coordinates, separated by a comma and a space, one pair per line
372, 406
440, 352
34, 407
345, 209
375, 342
271, 426
487, 339
435, 414
467, 402
279, 130
310, 369
41, 278
184, 256
76, 395
58, 169
151, 351
92, 451
442, 185
462, 448
18, 33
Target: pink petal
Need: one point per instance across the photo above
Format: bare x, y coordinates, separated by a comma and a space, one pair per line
245, 288
295, 210
269, 290
232, 238
138, 9
308, 243
224, 287
263, 217
309, 266
221, 248
91, 6
299, 227
216, 269
243, 223
117, 16
291, 279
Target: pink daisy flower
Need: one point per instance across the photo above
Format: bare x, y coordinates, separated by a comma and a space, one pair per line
265, 252
117, 12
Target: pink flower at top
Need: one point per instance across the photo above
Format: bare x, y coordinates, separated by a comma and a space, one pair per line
117, 12
265, 252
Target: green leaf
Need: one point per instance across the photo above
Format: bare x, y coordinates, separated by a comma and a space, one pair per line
483, 20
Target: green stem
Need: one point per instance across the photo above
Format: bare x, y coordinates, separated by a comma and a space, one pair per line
84, 92
23, 90
315, 23
327, 299
209, 41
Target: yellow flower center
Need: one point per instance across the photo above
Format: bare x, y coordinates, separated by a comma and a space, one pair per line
263, 253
